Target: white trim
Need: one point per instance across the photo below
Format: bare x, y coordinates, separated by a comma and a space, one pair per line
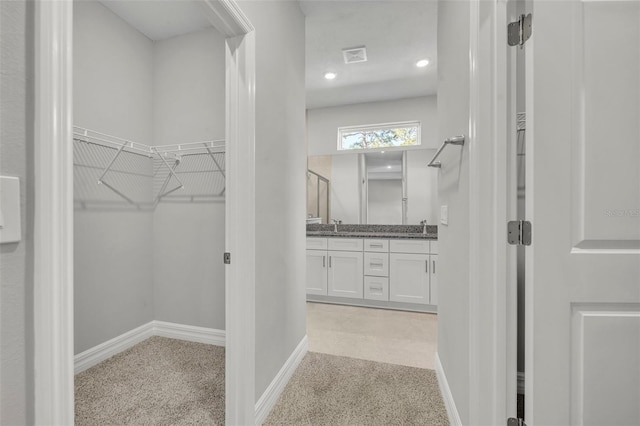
103, 351
492, 371
447, 396
53, 224
240, 277
270, 396
106, 350
191, 333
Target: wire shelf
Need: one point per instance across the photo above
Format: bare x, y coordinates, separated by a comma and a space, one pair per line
140, 176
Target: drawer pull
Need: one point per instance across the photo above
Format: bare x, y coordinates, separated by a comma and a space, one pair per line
426, 266
376, 245
375, 287
433, 267
376, 264
329, 261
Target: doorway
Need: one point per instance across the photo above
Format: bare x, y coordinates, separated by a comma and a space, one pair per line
54, 212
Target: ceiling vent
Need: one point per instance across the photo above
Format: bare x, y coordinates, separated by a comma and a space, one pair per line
353, 55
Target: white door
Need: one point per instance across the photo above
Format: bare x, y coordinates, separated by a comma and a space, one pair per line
317, 272
345, 274
409, 278
583, 199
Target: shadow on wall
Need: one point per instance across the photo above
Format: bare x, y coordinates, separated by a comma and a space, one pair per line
136, 182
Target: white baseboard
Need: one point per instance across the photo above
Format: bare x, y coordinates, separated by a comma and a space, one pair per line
99, 353
191, 333
447, 396
272, 393
103, 351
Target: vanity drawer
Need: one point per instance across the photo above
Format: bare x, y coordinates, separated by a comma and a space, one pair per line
314, 243
376, 264
376, 245
345, 244
376, 288
409, 246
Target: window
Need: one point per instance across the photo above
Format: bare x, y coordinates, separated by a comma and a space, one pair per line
379, 136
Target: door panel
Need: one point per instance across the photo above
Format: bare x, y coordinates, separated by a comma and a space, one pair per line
345, 274
607, 341
433, 280
605, 173
317, 272
409, 278
583, 199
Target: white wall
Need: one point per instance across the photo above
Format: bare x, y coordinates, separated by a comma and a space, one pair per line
384, 201
280, 184
453, 190
422, 188
323, 123
16, 259
188, 239
113, 93
344, 199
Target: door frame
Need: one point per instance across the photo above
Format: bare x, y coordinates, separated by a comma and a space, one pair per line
493, 263
53, 223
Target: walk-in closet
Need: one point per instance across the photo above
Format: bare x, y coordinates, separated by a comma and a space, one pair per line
149, 193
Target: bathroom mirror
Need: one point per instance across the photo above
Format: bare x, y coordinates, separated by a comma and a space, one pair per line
389, 187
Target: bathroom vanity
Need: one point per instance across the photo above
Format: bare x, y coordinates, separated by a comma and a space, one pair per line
380, 266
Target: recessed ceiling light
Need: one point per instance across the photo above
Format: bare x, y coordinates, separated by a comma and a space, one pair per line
422, 63
381, 152
388, 167
330, 75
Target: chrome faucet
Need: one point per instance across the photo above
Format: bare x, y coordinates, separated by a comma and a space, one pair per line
336, 222
424, 226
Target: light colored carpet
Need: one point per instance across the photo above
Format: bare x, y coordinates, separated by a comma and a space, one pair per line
336, 390
172, 382
157, 382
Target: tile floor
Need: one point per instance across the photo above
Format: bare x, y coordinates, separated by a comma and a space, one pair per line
396, 337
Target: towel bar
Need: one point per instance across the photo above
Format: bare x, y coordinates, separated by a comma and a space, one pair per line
456, 140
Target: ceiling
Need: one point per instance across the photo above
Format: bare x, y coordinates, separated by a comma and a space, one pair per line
396, 33
160, 19
383, 165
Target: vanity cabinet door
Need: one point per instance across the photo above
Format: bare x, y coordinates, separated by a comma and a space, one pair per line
317, 272
409, 278
345, 274
433, 279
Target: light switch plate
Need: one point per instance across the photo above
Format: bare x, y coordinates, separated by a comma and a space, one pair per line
444, 215
10, 226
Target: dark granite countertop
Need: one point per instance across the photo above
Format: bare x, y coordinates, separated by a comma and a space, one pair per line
374, 231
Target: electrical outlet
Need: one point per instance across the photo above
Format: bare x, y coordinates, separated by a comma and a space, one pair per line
444, 215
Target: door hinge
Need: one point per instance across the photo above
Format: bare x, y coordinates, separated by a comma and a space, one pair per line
512, 421
227, 258
518, 32
519, 232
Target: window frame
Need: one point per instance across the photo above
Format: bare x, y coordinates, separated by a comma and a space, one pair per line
379, 126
